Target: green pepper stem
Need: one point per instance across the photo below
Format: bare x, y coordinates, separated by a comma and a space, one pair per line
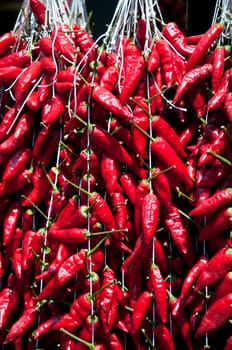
89, 345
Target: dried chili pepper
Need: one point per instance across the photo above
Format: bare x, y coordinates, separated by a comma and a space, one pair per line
211, 274
215, 202
204, 44
216, 315
158, 287
150, 216
166, 156
140, 309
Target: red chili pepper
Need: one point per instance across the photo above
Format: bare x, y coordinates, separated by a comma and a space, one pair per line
142, 190
218, 98
10, 222
32, 242
196, 312
21, 130
166, 157
215, 202
119, 210
39, 11
155, 93
198, 99
164, 337
46, 326
5, 298
53, 109
113, 342
6, 122
71, 235
90, 323
139, 127
227, 105
166, 61
18, 59
81, 308
110, 145
211, 273
109, 172
179, 235
31, 73
216, 315
9, 74
24, 322
191, 78
216, 225
48, 64
158, 287
18, 183
83, 39
140, 309
176, 37
161, 188
109, 79
191, 277
109, 101
63, 44
70, 267
106, 300
218, 66
7, 40
181, 320
150, 216
222, 288
153, 60
162, 128
17, 163
204, 44
129, 184
133, 70
141, 32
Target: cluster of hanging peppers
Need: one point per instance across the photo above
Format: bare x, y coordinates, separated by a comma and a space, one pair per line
115, 185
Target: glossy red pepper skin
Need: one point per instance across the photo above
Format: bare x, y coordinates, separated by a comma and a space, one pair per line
110, 145
223, 287
17, 138
7, 40
216, 315
10, 222
132, 71
18, 183
164, 337
218, 98
106, 300
204, 43
166, 157
227, 105
191, 277
6, 122
30, 73
216, 225
110, 102
129, 184
211, 274
63, 44
228, 344
140, 309
5, 296
39, 10
153, 60
17, 163
18, 59
161, 187
191, 78
83, 39
69, 267
215, 202
25, 321
113, 342
166, 62
109, 171
53, 109
9, 74
218, 66
179, 235
142, 190
150, 216
176, 37
119, 210
158, 288
160, 127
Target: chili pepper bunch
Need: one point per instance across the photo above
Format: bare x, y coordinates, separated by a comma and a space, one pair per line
115, 187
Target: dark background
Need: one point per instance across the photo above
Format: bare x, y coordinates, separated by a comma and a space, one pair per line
193, 16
